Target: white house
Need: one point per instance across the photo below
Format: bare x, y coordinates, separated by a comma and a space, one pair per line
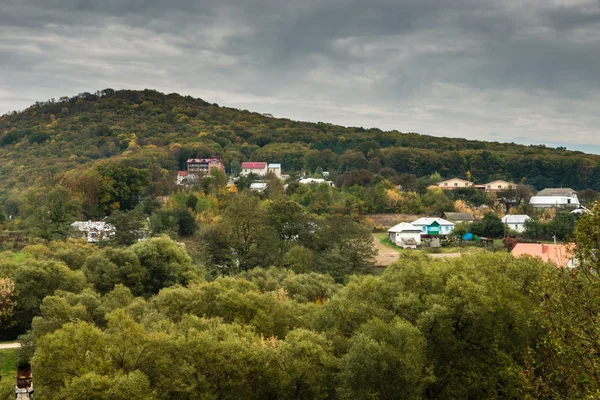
434, 226
94, 231
515, 222
275, 169
315, 181
405, 235
258, 186
555, 197
257, 168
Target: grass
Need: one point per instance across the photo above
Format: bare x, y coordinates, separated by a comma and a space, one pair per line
383, 239
8, 363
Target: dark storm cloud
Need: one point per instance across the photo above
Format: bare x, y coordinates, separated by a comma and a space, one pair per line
509, 70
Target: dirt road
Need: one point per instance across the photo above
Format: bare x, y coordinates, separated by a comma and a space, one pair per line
4, 346
385, 256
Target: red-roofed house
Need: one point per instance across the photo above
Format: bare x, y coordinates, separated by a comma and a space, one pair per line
561, 255
198, 165
258, 168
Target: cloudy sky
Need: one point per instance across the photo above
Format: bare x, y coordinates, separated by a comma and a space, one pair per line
526, 71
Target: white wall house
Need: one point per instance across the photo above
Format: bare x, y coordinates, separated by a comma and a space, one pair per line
515, 222
315, 181
275, 169
257, 168
405, 235
94, 231
434, 226
555, 197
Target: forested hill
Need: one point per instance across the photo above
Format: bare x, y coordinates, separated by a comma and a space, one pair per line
150, 130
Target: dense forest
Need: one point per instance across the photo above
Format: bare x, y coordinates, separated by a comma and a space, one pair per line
159, 132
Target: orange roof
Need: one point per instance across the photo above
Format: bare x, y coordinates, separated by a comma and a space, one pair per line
559, 254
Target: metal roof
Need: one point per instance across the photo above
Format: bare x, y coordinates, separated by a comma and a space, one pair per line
254, 165
429, 221
404, 227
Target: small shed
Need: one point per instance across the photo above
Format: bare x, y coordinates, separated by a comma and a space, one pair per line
405, 235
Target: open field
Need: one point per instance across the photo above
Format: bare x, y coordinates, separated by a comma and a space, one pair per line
8, 363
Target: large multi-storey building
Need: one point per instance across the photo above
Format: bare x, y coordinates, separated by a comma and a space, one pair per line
199, 165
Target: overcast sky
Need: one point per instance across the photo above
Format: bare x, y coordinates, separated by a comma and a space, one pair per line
526, 71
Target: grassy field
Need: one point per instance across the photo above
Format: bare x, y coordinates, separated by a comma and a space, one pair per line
8, 363
383, 239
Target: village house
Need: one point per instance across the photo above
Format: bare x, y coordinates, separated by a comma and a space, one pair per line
498, 186
434, 226
185, 178
559, 254
258, 186
515, 222
458, 217
94, 231
204, 165
405, 235
275, 169
555, 197
454, 183
315, 181
256, 168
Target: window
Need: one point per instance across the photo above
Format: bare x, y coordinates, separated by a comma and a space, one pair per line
445, 183
424, 229
499, 186
456, 184
489, 186
467, 184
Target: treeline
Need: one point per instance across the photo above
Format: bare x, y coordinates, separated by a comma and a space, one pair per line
475, 327
71, 133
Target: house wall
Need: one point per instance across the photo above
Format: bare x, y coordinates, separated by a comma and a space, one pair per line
554, 201
516, 227
397, 237
454, 184
259, 172
497, 186
436, 230
276, 171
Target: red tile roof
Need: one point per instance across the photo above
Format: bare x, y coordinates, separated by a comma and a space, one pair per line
559, 254
254, 165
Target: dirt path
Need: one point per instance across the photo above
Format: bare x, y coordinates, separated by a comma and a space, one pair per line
4, 346
385, 256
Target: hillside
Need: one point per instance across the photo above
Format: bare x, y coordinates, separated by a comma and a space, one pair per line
152, 129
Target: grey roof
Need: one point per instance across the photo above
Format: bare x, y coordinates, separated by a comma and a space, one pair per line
556, 192
456, 216
409, 241
404, 227
515, 219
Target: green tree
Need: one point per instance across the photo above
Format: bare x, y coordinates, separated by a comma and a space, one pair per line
122, 186
127, 227
385, 361
245, 224
166, 263
49, 213
490, 226
306, 366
